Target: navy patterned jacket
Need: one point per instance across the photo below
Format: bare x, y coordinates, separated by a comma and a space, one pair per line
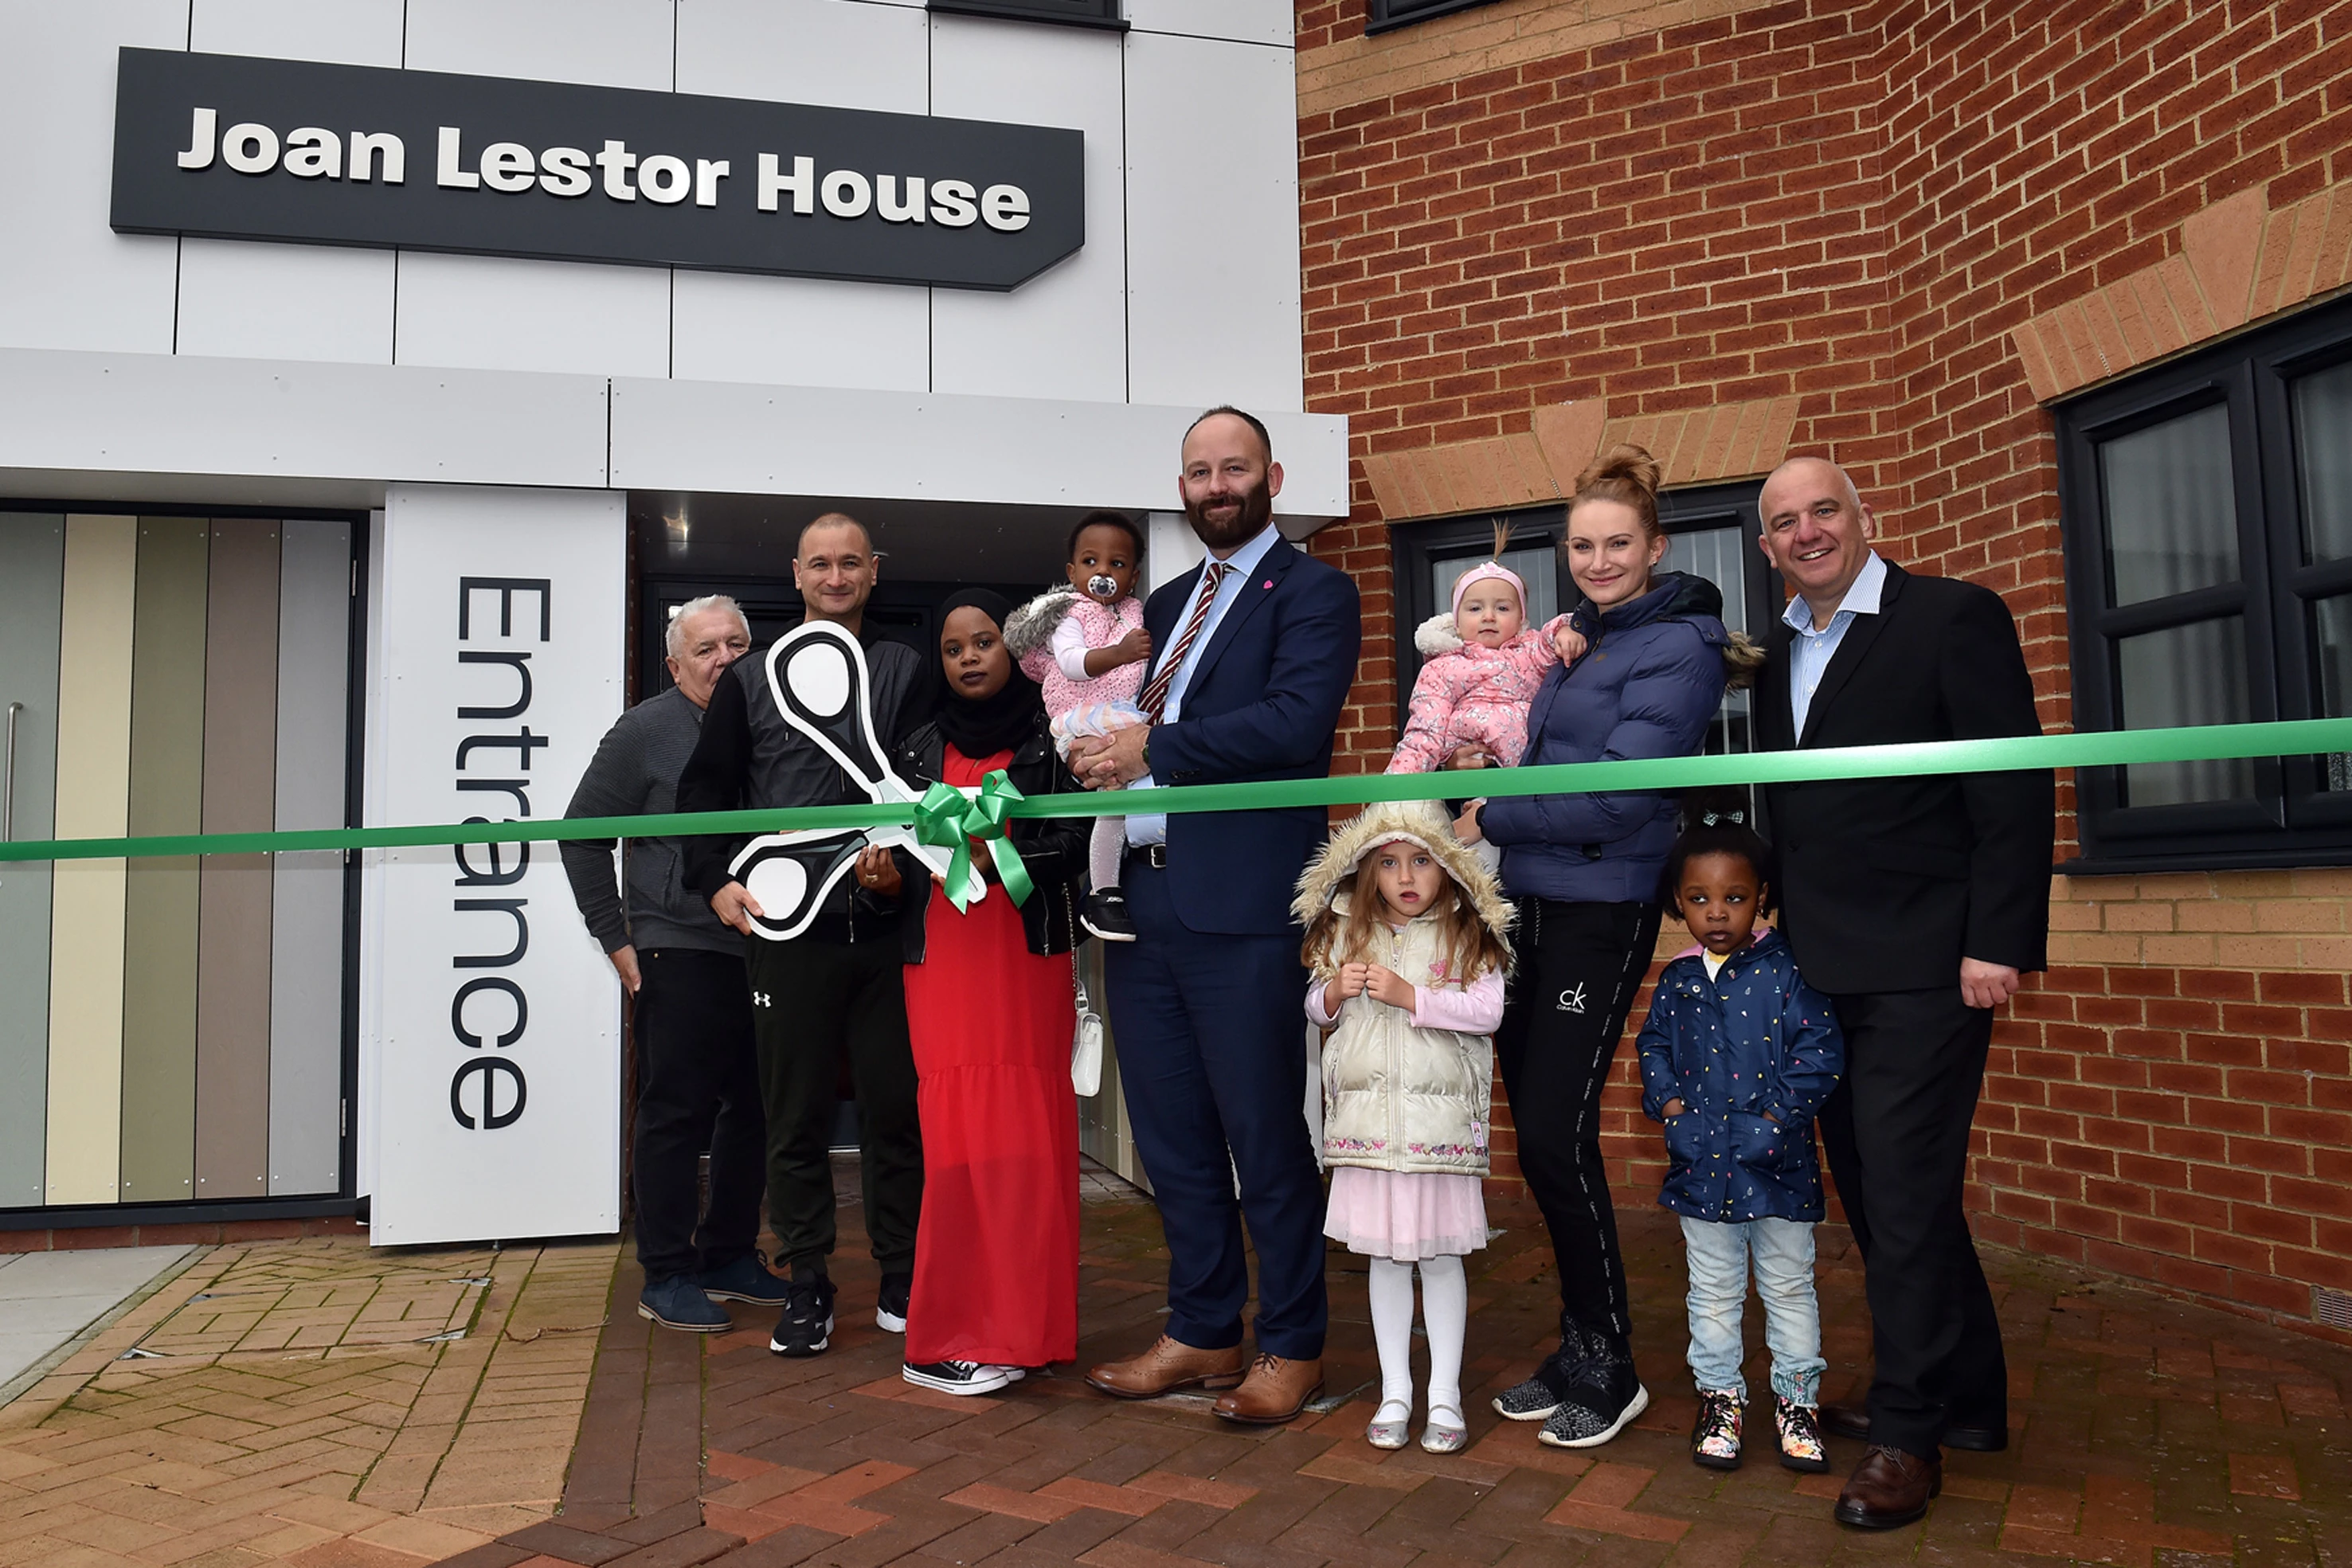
1754, 1040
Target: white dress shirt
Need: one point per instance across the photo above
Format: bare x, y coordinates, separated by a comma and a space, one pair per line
1810, 650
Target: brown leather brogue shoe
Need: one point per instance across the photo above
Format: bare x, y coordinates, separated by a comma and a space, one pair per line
1889, 1488
1276, 1390
1167, 1365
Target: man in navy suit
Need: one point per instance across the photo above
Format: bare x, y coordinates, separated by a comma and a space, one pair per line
1253, 656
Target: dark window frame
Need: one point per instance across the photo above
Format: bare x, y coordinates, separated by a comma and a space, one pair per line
1103, 14
2292, 818
1385, 16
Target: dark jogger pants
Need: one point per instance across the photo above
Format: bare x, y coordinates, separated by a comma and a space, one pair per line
697, 1088
810, 1002
1578, 967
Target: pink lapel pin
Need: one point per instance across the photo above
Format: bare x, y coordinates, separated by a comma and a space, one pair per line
1267, 583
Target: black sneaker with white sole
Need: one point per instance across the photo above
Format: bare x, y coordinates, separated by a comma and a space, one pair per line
807, 1326
956, 1377
890, 1302
1539, 1396
1105, 914
1603, 1400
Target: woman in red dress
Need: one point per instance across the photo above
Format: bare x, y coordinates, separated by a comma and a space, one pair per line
990, 1013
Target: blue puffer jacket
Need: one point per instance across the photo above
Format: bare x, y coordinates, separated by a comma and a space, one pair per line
1646, 687
1755, 1039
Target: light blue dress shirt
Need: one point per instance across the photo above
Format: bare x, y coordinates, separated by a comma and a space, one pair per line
1810, 652
1153, 828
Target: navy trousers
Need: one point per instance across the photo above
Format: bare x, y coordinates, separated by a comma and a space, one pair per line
1212, 1053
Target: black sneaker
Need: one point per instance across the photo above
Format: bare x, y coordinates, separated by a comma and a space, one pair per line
1539, 1396
806, 1327
956, 1377
677, 1302
1603, 1400
890, 1304
1105, 914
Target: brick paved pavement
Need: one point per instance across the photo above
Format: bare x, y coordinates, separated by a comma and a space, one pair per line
2146, 1433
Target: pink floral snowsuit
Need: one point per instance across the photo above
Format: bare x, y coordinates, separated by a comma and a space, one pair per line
1473, 696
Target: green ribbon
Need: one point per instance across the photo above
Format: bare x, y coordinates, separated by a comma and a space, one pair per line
2198, 742
947, 818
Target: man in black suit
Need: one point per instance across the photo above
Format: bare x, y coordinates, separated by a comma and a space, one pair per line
1252, 656
1915, 903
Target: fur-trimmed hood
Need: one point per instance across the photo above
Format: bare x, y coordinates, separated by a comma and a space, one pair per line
1031, 627
1422, 822
1437, 636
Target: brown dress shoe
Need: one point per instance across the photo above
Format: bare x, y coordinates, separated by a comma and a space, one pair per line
1167, 1365
1275, 1391
1889, 1488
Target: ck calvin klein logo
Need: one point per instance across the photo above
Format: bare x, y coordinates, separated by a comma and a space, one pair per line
1572, 1000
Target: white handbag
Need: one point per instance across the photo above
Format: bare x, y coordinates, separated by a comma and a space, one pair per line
1086, 1043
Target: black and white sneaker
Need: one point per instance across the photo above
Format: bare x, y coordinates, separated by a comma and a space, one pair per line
1105, 914
1600, 1404
955, 1376
1539, 1396
890, 1302
806, 1327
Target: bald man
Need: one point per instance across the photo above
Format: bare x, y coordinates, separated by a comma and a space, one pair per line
1916, 903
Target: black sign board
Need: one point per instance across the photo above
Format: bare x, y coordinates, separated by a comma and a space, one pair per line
228, 147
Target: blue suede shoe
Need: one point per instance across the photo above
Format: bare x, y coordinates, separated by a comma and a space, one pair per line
745, 1279
677, 1302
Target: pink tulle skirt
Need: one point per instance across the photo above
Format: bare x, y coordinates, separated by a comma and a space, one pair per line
1406, 1216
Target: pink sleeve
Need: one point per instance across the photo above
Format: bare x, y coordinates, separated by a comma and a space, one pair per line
1536, 652
1476, 1008
1315, 1013
1421, 749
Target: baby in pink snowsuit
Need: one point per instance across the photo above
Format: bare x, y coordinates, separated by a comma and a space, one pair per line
1484, 666
1086, 645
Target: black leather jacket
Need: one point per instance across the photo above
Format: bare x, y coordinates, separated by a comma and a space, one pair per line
1053, 848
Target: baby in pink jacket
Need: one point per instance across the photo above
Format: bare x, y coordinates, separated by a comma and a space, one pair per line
1086, 645
1484, 665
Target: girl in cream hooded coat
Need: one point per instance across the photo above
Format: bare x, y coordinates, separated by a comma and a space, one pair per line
1407, 950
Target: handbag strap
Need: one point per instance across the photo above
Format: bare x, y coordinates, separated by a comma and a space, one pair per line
1077, 969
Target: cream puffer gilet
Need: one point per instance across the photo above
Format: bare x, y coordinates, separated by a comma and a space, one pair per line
1397, 1097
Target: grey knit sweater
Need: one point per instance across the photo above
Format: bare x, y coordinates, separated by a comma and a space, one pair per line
636, 773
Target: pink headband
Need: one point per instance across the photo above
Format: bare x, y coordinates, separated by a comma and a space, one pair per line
1482, 572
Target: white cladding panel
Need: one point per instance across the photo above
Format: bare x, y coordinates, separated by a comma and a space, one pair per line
475, 1138
290, 302
603, 43
67, 281
1063, 334
845, 54
1240, 21
1212, 225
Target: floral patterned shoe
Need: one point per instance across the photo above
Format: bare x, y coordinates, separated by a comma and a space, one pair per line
1801, 1435
1715, 1439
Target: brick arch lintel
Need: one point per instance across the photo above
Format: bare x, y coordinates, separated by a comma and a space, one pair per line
1693, 446
2239, 262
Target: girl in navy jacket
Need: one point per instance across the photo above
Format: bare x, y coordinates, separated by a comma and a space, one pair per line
1737, 1056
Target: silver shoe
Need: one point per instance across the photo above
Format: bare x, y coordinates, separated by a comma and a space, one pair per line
1443, 1437
1388, 1434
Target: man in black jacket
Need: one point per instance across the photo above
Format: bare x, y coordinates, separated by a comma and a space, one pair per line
698, 1073
835, 987
1916, 903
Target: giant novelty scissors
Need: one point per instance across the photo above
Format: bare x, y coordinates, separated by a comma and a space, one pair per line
818, 678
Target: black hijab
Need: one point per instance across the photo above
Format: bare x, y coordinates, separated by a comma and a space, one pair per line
983, 727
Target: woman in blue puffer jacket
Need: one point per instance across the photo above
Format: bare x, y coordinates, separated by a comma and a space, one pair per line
1583, 870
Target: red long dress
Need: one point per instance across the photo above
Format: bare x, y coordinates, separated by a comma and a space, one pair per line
996, 1255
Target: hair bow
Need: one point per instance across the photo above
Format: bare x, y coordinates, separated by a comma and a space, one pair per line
1717, 819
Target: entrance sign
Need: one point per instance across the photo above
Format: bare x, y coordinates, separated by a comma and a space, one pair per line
232, 147
495, 1071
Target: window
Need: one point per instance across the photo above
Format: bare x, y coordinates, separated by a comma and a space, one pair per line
1385, 13
2208, 513
1080, 13
1712, 530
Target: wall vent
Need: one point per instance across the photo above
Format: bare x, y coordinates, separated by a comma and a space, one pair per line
2333, 1308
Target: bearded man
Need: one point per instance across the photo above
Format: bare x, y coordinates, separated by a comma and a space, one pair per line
1253, 656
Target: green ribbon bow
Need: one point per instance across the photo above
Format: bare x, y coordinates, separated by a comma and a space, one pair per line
947, 818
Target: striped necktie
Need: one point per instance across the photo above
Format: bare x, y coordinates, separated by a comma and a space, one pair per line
1155, 695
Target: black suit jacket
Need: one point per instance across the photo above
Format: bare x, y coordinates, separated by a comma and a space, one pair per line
1886, 884
1263, 702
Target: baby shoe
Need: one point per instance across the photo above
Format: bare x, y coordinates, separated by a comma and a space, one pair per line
1801, 1435
1714, 1439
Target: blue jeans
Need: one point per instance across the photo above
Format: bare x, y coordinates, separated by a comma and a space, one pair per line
1783, 1253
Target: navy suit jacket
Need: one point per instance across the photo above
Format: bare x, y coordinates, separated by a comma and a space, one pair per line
1263, 702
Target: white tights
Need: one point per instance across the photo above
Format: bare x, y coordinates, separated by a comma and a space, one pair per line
1446, 1312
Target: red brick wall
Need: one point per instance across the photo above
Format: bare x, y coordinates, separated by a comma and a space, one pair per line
1526, 204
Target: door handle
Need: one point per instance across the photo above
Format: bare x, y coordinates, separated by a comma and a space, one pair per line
8, 779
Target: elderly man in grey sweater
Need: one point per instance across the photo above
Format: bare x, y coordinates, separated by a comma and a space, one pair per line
697, 1067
